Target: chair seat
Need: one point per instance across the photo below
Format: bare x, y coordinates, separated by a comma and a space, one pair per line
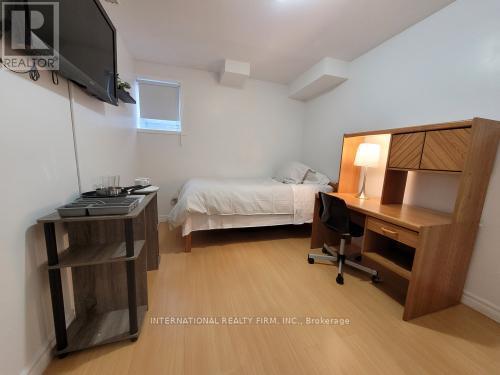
356, 230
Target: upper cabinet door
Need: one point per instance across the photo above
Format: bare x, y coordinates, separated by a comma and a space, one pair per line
406, 150
445, 150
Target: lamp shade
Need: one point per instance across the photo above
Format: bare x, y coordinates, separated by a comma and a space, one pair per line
368, 155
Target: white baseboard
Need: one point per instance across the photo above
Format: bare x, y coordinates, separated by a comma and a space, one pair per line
45, 355
162, 218
42, 360
481, 305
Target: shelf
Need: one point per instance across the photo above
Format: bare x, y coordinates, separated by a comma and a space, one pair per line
125, 97
56, 218
391, 264
97, 254
419, 128
100, 329
425, 171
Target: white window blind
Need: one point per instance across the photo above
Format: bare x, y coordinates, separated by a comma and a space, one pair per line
159, 105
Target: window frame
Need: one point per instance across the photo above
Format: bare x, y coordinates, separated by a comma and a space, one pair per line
169, 82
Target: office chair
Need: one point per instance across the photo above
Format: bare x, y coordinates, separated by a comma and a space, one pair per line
334, 213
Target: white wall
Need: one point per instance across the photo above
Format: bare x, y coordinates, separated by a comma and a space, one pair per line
229, 132
38, 168
445, 68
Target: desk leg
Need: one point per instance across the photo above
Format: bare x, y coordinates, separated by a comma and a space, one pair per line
56, 293
131, 288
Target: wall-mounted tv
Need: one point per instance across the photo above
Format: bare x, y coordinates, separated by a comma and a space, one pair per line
87, 44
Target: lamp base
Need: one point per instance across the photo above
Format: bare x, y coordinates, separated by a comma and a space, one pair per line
362, 195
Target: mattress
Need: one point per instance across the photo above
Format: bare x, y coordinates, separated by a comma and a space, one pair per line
233, 203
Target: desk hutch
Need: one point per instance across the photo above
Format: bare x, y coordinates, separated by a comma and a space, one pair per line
427, 249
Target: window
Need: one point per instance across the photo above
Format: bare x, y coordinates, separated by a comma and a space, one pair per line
159, 106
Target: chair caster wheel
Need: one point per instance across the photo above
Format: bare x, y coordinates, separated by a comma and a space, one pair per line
340, 280
310, 260
375, 279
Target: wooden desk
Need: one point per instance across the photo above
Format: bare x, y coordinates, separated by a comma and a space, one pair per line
404, 240
430, 250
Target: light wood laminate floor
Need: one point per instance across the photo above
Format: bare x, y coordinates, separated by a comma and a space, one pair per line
264, 273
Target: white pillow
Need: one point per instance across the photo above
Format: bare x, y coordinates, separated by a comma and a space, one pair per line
292, 173
313, 177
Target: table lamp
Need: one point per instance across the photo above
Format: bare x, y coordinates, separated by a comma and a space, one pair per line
367, 156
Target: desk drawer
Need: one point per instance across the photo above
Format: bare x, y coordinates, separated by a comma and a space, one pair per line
406, 236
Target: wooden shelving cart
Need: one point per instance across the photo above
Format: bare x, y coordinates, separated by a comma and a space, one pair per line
109, 257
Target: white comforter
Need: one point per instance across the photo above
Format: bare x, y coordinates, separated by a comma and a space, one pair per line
245, 197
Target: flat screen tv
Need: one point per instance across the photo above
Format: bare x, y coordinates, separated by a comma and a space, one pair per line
87, 46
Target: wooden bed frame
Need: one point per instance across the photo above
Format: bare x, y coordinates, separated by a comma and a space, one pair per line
187, 242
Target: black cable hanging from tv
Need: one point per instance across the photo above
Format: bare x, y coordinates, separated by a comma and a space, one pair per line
34, 74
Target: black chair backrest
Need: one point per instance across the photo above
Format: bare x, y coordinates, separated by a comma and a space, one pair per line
334, 213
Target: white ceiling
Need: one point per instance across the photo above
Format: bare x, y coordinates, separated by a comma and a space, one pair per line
280, 38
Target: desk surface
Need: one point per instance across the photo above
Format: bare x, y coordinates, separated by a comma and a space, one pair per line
410, 217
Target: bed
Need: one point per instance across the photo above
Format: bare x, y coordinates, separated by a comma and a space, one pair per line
222, 203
